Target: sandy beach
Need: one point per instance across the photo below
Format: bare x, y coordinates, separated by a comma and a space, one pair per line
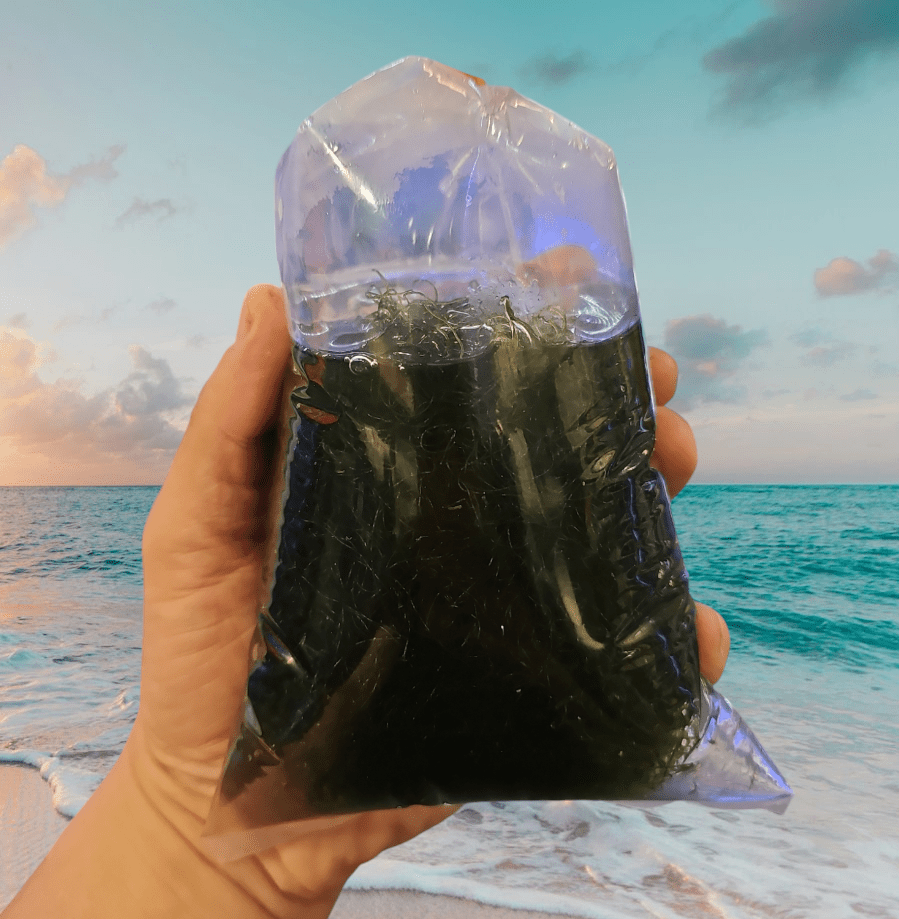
404, 904
29, 826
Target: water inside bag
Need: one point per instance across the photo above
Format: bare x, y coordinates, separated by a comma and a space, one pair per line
476, 591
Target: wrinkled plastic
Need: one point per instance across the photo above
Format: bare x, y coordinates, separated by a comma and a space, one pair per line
727, 767
475, 590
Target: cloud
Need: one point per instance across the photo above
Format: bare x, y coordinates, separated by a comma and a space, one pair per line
808, 337
709, 353
808, 48
66, 322
26, 184
860, 395
109, 311
19, 358
884, 369
140, 208
556, 70
75, 319
820, 347
821, 440
17, 321
56, 420
828, 355
150, 388
162, 305
844, 276
689, 30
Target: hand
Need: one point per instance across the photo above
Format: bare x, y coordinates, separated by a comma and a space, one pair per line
203, 558
137, 841
675, 458
675, 453
202, 566
135, 848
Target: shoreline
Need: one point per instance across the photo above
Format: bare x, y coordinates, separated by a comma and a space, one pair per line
30, 825
413, 904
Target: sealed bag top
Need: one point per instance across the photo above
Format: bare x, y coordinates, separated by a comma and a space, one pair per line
421, 172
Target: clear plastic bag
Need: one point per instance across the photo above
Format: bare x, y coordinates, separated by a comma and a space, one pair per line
476, 591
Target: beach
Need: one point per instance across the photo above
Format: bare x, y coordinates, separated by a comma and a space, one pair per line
803, 576
29, 825
407, 904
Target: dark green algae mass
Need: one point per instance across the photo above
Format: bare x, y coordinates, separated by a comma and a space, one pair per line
479, 593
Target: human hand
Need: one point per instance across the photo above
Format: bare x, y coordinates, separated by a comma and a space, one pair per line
203, 561
204, 554
675, 452
675, 457
135, 849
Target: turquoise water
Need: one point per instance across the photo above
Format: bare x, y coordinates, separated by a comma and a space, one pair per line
808, 579
809, 570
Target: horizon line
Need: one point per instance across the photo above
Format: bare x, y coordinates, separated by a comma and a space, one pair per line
689, 484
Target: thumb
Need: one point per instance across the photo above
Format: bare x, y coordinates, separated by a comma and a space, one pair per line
204, 539
240, 400
251, 378
210, 507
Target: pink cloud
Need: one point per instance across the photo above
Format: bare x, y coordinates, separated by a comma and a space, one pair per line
26, 184
127, 429
844, 276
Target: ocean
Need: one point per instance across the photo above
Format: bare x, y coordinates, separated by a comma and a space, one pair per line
808, 580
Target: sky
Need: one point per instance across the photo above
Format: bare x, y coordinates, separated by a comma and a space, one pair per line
756, 142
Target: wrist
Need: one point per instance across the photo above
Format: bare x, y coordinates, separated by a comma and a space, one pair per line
173, 798
134, 850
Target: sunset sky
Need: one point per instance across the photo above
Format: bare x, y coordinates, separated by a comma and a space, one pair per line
757, 144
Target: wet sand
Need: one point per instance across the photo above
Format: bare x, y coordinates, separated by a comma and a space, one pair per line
406, 904
29, 826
